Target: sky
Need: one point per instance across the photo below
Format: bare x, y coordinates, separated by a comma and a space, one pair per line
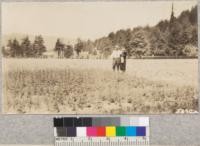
87, 20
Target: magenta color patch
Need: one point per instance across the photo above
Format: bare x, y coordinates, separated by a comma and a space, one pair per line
91, 131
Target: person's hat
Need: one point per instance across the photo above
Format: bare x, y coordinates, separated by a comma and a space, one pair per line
116, 46
123, 49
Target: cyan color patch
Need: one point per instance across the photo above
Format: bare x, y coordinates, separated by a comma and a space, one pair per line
131, 131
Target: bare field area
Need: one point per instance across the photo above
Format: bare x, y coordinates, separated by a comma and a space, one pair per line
91, 87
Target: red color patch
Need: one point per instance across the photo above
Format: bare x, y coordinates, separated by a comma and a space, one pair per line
101, 131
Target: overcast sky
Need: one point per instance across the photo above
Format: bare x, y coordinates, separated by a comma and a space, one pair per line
84, 19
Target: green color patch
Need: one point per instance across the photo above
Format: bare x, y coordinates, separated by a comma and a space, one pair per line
120, 131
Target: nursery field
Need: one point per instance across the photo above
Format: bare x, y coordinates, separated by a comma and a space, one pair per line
86, 86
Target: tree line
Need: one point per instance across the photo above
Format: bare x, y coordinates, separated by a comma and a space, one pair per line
26, 48
175, 37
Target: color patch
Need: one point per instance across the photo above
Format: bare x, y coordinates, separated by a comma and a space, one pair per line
96, 121
120, 131
71, 131
91, 131
55, 132
101, 131
58, 122
81, 131
110, 131
143, 121
87, 122
134, 121
105, 121
68, 122
141, 131
124, 121
61, 131
131, 131
78, 122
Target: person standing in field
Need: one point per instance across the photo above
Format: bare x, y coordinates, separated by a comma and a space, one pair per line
116, 58
123, 60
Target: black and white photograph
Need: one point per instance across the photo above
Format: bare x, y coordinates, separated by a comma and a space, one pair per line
133, 57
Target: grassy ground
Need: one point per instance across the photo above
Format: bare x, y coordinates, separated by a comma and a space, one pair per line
91, 87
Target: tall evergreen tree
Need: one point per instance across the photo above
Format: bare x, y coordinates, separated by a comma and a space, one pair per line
26, 47
79, 46
14, 47
59, 48
138, 45
158, 43
38, 46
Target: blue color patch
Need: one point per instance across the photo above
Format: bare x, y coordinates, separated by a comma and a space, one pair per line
130, 131
141, 131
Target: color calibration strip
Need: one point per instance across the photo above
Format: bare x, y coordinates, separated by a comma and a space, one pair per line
101, 131
107, 131
101, 127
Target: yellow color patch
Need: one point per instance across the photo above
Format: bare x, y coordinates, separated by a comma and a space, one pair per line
110, 131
